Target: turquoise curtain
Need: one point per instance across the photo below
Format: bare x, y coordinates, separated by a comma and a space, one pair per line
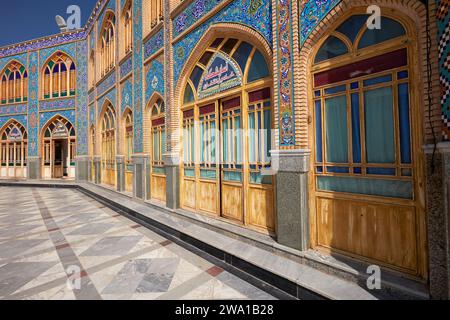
225, 140
213, 142
251, 133
268, 137
238, 139
379, 119
336, 129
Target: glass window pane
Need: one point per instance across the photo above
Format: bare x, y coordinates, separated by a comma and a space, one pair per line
258, 68
379, 120
336, 129
332, 48
241, 54
390, 29
352, 26
188, 94
405, 126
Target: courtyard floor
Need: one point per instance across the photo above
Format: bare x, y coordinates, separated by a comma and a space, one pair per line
47, 234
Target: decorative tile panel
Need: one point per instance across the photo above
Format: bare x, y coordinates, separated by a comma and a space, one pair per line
194, 12
126, 67
56, 105
13, 109
106, 84
154, 44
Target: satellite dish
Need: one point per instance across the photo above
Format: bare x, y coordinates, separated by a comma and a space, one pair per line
61, 23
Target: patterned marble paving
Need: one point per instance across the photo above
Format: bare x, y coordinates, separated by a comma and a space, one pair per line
41, 237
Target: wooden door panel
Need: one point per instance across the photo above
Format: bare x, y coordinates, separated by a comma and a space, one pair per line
207, 200
188, 197
159, 188
378, 232
261, 208
232, 202
129, 181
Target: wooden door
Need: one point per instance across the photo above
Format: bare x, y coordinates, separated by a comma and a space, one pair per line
232, 151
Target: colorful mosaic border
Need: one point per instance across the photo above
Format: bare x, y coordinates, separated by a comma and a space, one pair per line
81, 105
285, 73
137, 90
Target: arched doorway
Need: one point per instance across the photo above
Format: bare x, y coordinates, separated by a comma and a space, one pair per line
128, 146
227, 122
13, 151
367, 201
58, 149
108, 135
156, 145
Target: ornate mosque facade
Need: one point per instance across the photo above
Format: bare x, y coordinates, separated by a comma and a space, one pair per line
290, 118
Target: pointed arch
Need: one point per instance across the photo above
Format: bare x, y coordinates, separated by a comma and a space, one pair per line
58, 76
13, 149
108, 133
58, 148
13, 83
107, 43
221, 30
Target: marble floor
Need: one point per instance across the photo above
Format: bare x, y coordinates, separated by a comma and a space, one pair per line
60, 244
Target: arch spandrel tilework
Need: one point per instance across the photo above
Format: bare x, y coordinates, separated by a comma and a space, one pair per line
22, 58
22, 119
312, 13
254, 14
69, 49
46, 116
154, 80
126, 96
111, 96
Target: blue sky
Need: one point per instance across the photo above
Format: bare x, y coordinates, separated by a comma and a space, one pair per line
22, 20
